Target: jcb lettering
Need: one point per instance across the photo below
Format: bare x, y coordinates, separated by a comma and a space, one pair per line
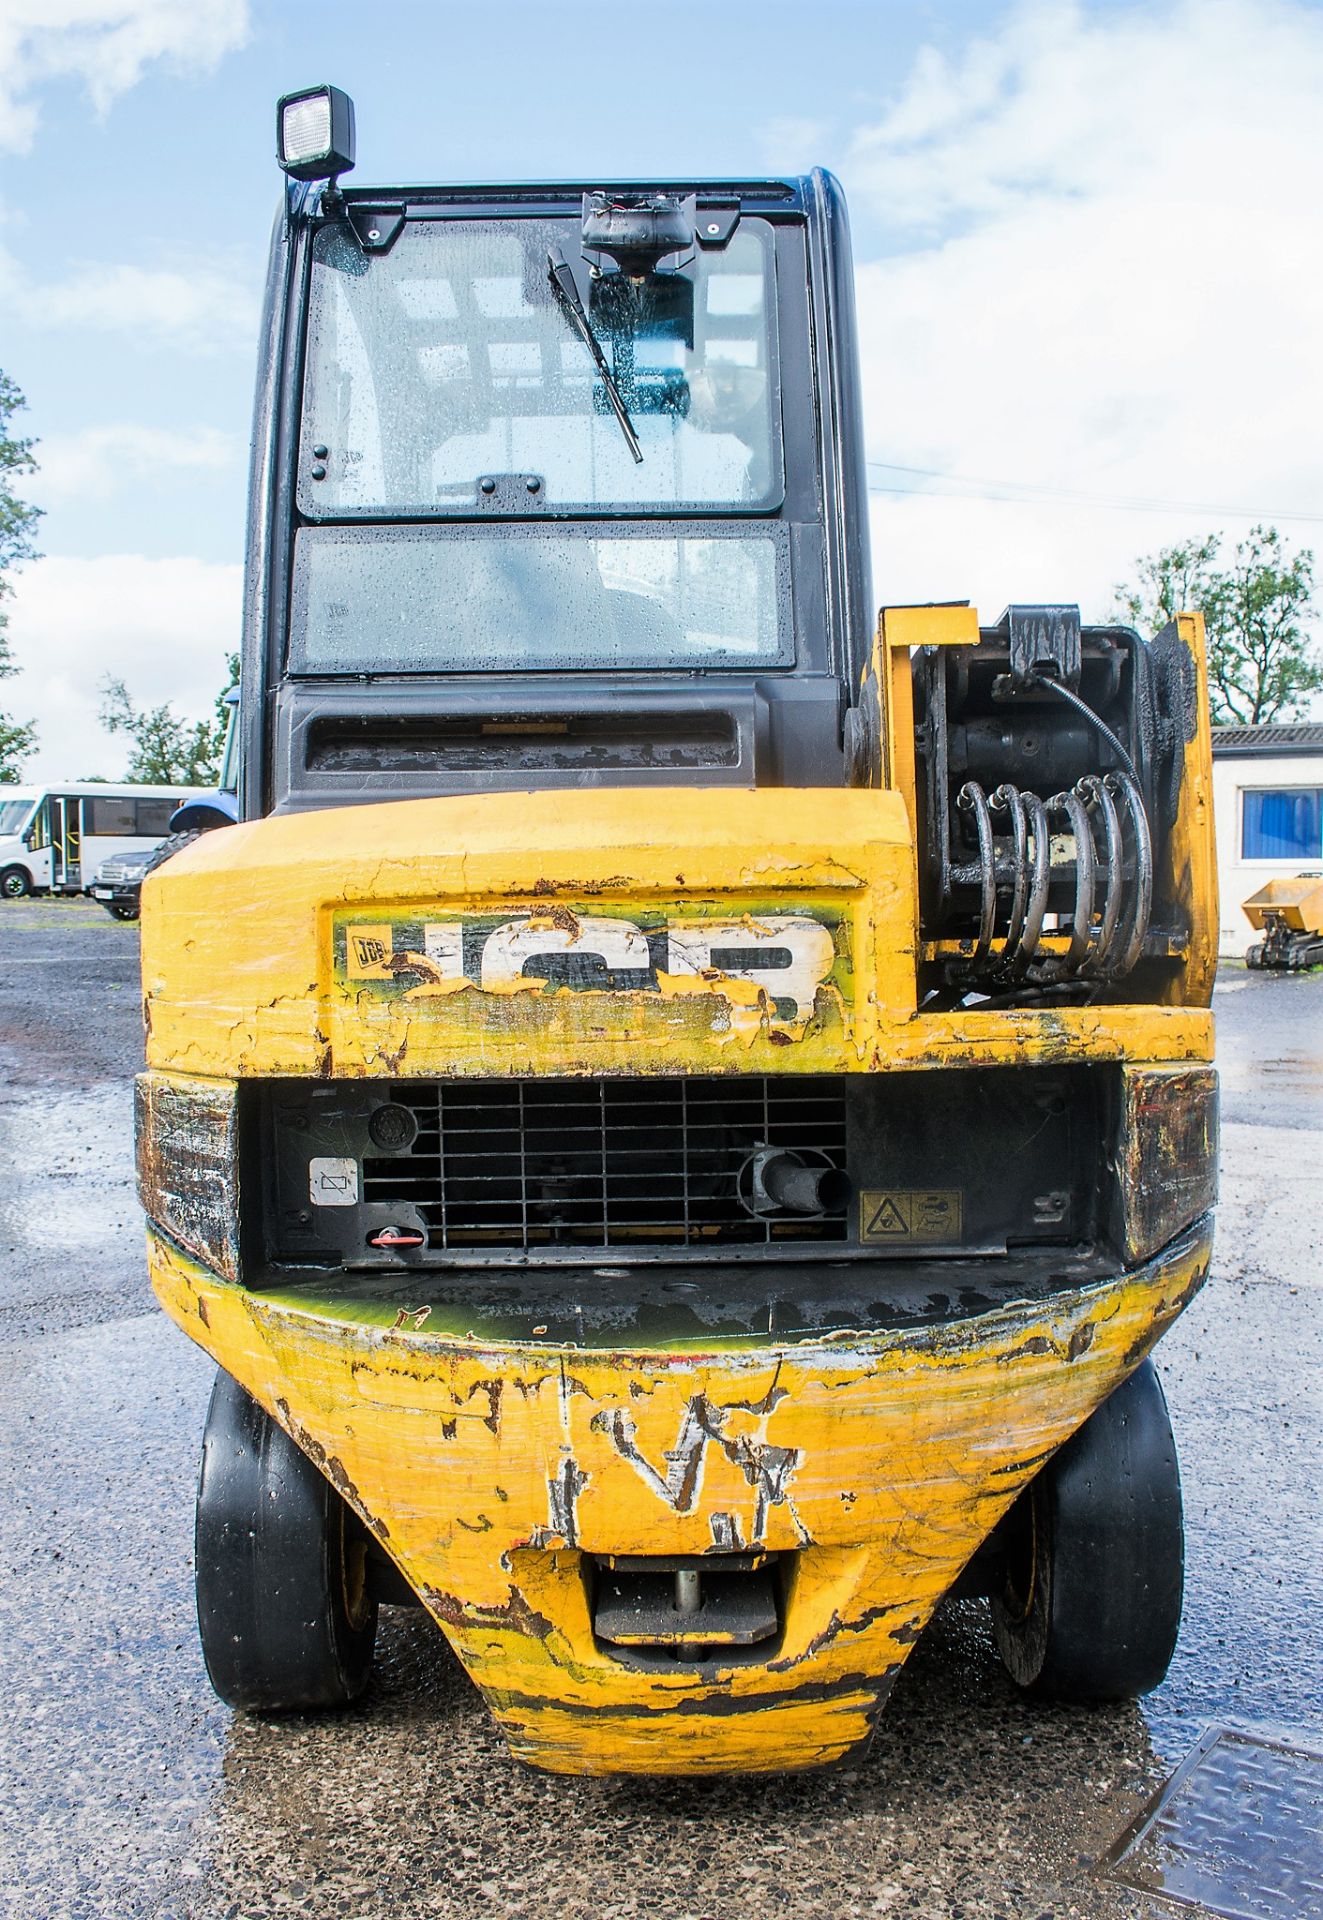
786, 956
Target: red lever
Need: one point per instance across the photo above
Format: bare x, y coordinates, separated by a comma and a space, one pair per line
396, 1237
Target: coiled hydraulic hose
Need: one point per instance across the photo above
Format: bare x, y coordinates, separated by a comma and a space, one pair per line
1103, 942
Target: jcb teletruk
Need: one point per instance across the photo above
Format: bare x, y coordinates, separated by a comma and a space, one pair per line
681, 1109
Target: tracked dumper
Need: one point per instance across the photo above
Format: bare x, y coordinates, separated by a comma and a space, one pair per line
681, 1109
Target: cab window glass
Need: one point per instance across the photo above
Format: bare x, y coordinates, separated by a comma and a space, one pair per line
425, 599
451, 359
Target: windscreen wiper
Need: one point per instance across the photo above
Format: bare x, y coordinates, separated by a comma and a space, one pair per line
562, 285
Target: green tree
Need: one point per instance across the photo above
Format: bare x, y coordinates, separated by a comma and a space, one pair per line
167, 748
1262, 664
18, 520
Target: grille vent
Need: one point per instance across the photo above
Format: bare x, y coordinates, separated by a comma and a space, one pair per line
506, 743
530, 1164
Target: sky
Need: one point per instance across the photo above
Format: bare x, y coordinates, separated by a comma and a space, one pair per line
1086, 244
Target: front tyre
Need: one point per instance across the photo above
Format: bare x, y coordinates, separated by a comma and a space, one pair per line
14, 884
1090, 1603
284, 1608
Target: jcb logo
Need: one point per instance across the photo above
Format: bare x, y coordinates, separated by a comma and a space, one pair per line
370, 949
780, 959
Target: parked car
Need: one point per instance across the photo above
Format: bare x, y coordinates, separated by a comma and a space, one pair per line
117, 882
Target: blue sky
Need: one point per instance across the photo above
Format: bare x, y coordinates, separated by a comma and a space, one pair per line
1090, 324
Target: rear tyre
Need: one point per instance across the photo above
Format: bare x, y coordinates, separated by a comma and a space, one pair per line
1090, 1603
285, 1613
14, 884
173, 843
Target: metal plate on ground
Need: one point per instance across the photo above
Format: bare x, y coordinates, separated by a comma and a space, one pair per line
1236, 1831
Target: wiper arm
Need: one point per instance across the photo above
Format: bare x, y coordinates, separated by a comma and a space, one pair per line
562, 285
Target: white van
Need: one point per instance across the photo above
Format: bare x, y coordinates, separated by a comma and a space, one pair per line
53, 839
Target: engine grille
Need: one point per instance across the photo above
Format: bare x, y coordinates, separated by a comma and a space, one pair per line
605, 1163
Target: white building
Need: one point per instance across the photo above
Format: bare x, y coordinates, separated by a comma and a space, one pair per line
1268, 806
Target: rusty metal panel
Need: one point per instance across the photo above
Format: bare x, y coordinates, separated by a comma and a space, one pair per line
187, 1157
1167, 1153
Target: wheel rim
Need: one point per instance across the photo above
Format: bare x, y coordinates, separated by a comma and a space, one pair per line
1020, 1584
353, 1576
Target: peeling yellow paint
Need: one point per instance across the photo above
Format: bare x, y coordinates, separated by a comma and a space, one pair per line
239, 966
495, 1472
1191, 856
879, 1461
747, 1003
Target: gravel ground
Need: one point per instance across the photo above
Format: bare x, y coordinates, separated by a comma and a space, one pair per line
127, 1789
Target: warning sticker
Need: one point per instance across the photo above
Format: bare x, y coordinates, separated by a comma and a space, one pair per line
333, 1183
911, 1215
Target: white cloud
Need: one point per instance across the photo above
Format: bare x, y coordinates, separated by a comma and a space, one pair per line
105, 44
162, 626
791, 144
92, 465
197, 305
1112, 291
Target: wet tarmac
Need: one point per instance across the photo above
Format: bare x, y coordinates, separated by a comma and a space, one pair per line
126, 1789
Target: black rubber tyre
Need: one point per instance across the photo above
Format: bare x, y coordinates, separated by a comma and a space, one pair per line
122, 913
14, 884
284, 1608
173, 843
1090, 1603
1254, 957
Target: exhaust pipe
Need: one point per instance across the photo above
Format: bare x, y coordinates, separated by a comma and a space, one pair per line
780, 1182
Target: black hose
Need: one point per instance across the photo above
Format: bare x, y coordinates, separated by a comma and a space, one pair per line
972, 798
1134, 799
1039, 880
1097, 791
1008, 798
1082, 921
1095, 720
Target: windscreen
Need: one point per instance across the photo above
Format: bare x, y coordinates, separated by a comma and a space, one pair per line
452, 358
14, 815
475, 598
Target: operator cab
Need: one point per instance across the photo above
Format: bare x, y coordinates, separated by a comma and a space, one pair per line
566, 488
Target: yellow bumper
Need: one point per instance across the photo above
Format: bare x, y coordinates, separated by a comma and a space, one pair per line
489, 1470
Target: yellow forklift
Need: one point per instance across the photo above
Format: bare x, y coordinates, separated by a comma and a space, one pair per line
680, 1110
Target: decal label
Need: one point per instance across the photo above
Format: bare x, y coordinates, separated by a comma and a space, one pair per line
367, 949
911, 1216
768, 968
333, 1183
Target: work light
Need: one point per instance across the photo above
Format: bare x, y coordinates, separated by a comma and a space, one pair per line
315, 133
